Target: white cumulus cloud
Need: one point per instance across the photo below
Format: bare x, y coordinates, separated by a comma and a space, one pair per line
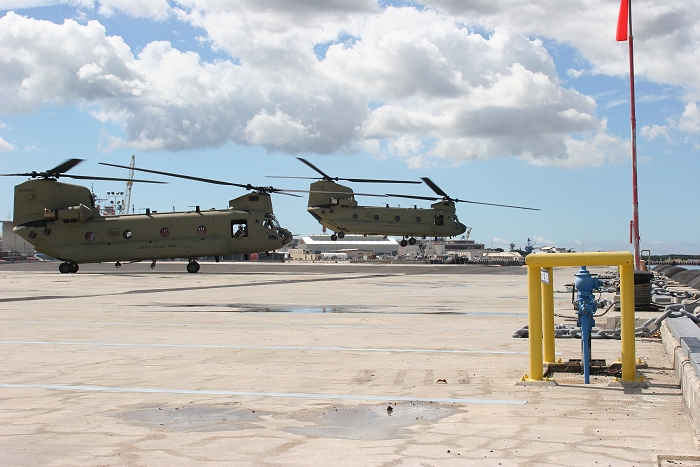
420, 85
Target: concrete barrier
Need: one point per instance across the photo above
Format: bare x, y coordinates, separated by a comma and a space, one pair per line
681, 338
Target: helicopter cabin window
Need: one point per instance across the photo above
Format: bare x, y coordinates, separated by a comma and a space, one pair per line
239, 228
439, 219
334, 201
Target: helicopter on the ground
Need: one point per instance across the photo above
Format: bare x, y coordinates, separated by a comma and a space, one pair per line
62, 221
342, 214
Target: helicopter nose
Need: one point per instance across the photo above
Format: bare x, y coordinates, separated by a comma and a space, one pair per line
285, 235
462, 228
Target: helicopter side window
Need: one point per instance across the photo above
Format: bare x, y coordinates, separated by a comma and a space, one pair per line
334, 201
239, 228
439, 219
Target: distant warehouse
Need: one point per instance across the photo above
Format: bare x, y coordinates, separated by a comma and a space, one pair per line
317, 247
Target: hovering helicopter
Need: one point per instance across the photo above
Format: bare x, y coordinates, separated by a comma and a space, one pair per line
61, 220
342, 214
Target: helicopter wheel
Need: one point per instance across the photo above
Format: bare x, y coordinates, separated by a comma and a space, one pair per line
341, 234
64, 268
73, 267
412, 241
403, 242
192, 267
117, 264
334, 237
153, 264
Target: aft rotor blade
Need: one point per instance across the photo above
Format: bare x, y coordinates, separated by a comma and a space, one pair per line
325, 176
186, 177
86, 177
435, 188
493, 204
65, 167
427, 198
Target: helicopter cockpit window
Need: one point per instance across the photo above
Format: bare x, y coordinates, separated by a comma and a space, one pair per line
270, 222
239, 228
439, 219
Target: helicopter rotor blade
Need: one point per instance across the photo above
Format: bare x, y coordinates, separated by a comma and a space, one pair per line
87, 177
371, 180
356, 180
493, 204
434, 187
426, 198
65, 167
325, 176
335, 193
186, 177
290, 176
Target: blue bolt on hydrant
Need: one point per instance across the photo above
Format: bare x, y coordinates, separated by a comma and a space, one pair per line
585, 284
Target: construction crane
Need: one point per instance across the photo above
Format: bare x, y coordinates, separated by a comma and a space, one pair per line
129, 185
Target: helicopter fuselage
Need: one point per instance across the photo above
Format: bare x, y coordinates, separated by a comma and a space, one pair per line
341, 213
60, 220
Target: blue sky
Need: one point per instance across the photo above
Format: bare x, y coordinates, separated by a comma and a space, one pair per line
506, 102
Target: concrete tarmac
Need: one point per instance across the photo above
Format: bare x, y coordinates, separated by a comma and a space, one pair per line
257, 364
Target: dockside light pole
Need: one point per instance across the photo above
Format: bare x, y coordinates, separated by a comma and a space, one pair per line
624, 33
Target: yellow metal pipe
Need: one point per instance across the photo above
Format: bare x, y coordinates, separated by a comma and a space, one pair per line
629, 366
611, 258
548, 316
534, 300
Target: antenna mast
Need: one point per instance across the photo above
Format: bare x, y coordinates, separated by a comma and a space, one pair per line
129, 185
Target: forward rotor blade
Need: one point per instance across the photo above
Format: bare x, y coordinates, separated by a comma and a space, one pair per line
493, 204
435, 188
336, 193
86, 177
65, 167
356, 180
186, 177
371, 180
427, 198
17, 175
290, 176
325, 176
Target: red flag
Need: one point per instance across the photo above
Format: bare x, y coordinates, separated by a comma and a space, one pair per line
622, 21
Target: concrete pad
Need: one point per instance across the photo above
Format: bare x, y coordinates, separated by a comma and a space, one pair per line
295, 364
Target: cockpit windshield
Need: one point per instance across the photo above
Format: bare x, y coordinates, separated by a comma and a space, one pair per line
270, 222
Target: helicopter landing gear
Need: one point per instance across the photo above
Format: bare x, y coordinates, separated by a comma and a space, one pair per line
403, 242
341, 234
153, 264
68, 267
192, 267
412, 241
117, 264
334, 237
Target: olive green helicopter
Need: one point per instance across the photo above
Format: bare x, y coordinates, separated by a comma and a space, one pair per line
341, 213
62, 221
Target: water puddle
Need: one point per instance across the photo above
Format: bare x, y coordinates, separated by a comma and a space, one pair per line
361, 309
372, 422
194, 418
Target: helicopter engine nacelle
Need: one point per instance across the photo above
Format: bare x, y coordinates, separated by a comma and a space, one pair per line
79, 213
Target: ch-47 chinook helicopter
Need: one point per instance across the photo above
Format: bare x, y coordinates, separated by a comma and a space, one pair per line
61, 220
342, 214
